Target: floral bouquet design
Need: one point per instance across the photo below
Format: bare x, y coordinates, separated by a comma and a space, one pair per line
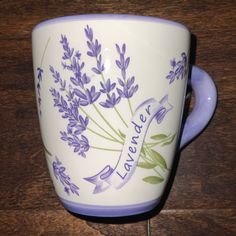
110, 95
73, 95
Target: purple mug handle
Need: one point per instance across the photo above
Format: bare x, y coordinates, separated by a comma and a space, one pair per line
205, 104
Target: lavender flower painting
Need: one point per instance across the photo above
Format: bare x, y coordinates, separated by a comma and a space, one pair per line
89, 88
59, 173
38, 86
178, 69
40, 72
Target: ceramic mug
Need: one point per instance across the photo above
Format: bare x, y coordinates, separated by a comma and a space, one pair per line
110, 94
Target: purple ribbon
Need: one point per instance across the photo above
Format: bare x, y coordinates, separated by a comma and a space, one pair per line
118, 176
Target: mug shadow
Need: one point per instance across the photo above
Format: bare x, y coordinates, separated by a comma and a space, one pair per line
159, 207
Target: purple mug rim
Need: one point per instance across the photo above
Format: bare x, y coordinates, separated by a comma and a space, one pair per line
84, 17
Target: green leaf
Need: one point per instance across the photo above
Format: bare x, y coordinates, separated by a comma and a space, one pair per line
170, 141
146, 165
122, 134
159, 136
153, 180
158, 159
143, 151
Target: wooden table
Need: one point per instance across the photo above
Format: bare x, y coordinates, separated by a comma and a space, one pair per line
202, 198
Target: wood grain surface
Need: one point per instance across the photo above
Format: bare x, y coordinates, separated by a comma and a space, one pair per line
202, 197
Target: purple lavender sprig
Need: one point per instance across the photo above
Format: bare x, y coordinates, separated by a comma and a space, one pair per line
68, 52
57, 78
94, 50
89, 96
59, 173
112, 99
106, 86
80, 144
178, 69
77, 124
40, 74
128, 88
40, 78
80, 79
71, 61
77, 94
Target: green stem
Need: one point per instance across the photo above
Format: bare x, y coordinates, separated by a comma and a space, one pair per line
41, 63
106, 149
102, 136
158, 173
148, 151
103, 78
150, 145
130, 107
147, 160
118, 113
113, 138
105, 120
146, 148
155, 143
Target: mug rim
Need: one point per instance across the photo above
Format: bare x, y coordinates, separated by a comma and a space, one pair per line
84, 17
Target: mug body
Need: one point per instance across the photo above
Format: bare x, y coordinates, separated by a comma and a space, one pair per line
110, 94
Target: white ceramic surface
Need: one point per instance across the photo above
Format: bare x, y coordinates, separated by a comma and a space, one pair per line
121, 154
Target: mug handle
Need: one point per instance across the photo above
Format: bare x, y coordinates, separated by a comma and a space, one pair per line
205, 103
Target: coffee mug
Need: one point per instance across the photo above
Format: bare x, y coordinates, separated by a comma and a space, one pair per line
110, 95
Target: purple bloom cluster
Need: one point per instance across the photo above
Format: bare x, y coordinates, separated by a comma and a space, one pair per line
112, 99
57, 78
73, 64
68, 52
179, 69
77, 124
79, 79
94, 50
40, 73
128, 88
59, 173
40, 78
106, 86
89, 96
69, 108
80, 145
79, 93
